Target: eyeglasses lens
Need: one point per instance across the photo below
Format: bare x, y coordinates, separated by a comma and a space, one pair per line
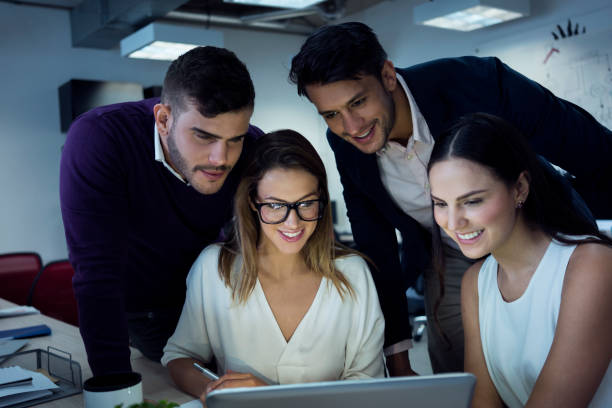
276, 212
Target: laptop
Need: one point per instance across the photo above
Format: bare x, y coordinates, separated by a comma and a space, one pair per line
435, 391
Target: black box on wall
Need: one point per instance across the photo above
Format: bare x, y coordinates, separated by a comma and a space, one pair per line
77, 96
152, 91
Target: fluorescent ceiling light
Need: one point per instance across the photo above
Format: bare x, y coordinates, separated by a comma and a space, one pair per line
163, 41
277, 3
468, 15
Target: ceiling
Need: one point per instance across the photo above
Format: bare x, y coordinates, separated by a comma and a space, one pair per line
254, 17
103, 23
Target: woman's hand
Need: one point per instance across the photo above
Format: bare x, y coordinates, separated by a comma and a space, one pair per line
232, 379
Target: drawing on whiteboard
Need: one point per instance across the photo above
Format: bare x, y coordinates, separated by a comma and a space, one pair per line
576, 67
581, 72
571, 30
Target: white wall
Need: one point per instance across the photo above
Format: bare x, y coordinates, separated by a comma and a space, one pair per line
408, 43
36, 57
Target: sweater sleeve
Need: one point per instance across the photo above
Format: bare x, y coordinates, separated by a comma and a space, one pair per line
364, 348
94, 210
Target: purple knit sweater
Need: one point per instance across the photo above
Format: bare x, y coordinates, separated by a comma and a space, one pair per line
133, 228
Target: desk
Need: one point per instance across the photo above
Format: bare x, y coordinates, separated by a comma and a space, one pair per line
156, 381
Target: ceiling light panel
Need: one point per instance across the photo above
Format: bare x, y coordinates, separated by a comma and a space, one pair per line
277, 3
468, 15
163, 41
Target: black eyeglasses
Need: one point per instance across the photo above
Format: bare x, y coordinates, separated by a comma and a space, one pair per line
275, 213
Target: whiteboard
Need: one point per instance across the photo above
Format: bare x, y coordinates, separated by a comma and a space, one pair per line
577, 68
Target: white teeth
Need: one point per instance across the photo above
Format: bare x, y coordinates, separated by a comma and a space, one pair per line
470, 235
364, 135
291, 234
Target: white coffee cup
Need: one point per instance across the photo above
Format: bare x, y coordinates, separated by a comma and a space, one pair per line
107, 391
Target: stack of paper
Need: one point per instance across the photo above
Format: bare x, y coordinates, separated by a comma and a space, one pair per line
19, 385
18, 311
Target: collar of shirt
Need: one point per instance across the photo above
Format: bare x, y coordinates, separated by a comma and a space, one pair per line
420, 130
159, 154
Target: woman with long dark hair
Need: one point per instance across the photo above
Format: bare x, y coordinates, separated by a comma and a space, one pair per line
537, 310
281, 302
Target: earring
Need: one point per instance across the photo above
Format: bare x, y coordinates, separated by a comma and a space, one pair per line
519, 204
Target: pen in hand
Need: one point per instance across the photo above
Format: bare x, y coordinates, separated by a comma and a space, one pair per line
209, 374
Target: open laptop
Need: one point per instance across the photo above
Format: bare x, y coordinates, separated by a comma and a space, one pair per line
435, 391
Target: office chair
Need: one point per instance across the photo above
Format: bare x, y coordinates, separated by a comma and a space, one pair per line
53, 294
416, 308
18, 271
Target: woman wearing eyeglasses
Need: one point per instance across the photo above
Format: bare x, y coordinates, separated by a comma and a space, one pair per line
281, 302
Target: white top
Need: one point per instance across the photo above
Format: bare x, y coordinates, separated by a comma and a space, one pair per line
403, 170
335, 340
517, 336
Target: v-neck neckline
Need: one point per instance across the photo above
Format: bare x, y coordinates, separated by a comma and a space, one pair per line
273, 317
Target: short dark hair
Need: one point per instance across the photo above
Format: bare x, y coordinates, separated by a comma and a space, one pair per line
335, 53
211, 78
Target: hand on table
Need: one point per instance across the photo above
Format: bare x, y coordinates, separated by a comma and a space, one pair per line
232, 379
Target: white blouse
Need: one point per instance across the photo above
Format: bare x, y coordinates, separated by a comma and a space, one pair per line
336, 339
517, 336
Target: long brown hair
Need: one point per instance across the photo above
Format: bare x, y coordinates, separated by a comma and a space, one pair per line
285, 149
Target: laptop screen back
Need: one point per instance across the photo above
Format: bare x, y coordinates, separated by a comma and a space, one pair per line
435, 391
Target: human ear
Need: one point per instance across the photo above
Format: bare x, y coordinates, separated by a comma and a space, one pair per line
251, 204
163, 119
522, 187
387, 74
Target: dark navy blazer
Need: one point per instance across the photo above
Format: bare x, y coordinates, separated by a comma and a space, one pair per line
445, 90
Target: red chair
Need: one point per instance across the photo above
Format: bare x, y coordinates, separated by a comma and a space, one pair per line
18, 271
52, 293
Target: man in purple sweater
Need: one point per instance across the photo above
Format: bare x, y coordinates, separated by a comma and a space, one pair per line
144, 187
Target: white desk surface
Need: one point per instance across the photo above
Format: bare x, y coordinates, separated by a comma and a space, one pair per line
156, 381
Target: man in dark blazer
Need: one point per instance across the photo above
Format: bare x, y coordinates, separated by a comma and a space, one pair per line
383, 123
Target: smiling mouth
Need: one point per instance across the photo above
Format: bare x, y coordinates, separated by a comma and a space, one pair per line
213, 175
291, 236
470, 235
364, 134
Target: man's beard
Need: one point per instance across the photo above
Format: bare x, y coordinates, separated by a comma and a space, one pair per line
390, 122
176, 158
180, 164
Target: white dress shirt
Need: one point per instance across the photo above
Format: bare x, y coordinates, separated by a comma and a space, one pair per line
403, 170
159, 154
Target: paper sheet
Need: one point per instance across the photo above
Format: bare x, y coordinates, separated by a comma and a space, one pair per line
40, 386
11, 346
18, 311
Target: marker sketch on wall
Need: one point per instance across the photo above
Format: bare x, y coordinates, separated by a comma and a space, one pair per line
577, 68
